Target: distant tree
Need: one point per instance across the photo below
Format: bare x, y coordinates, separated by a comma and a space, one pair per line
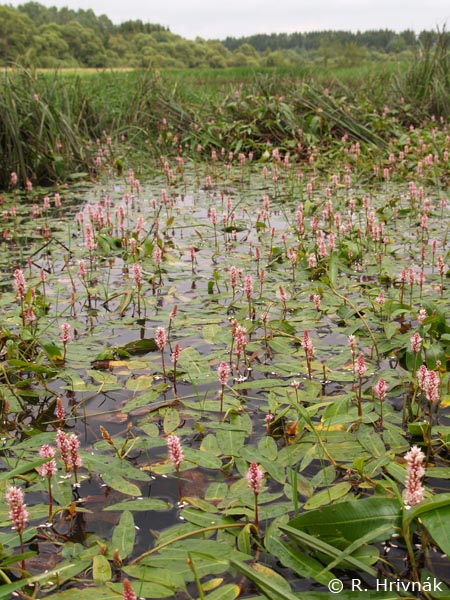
84, 45
38, 13
16, 33
50, 47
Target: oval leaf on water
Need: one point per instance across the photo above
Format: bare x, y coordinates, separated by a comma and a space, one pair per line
101, 569
140, 346
124, 535
351, 520
329, 495
117, 482
229, 591
145, 504
139, 384
172, 420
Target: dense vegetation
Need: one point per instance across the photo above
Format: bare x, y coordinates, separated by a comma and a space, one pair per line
224, 365
224, 348
51, 37
51, 119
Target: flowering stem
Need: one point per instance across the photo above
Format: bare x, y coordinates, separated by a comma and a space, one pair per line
221, 403
163, 364
50, 500
256, 512
22, 550
180, 491
358, 398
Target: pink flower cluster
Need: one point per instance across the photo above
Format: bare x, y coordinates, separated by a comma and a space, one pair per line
416, 342
380, 389
223, 372
161, 338
240, 338
17, 508
49, 468
19, 284
128, 592
360, 366
68, 447
255, 477
65, 333
429, 383
414, 491
175, 450
307, 345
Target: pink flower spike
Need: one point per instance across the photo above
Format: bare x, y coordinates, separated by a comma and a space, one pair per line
65, 333
422, 315
248, 286
176, 455
416, 342
360, 366
17, 508
432, 387
74, 444
128, 592
19, 284
352, 344
59, 409
223, 372
414, 491
63, 446
255, 477
137, 274
161, 338
176, 354
380, 389
49, 468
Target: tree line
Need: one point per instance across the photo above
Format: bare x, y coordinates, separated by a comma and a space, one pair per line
37, 36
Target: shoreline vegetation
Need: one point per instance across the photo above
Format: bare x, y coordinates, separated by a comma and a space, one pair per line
52, 118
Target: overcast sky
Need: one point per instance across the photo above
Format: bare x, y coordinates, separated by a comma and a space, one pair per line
210, 19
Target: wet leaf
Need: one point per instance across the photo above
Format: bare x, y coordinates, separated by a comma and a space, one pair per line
101, 569
124, 534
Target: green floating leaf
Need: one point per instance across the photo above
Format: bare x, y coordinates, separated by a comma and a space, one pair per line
124, 535
145, 504
139, 384
119, 483
140, 346
101, 569
372, 443
229, 591
273, 585
351, 520
329, 495
53, 352
102, 377
202, 459
142, 400
230, 441
172, 420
